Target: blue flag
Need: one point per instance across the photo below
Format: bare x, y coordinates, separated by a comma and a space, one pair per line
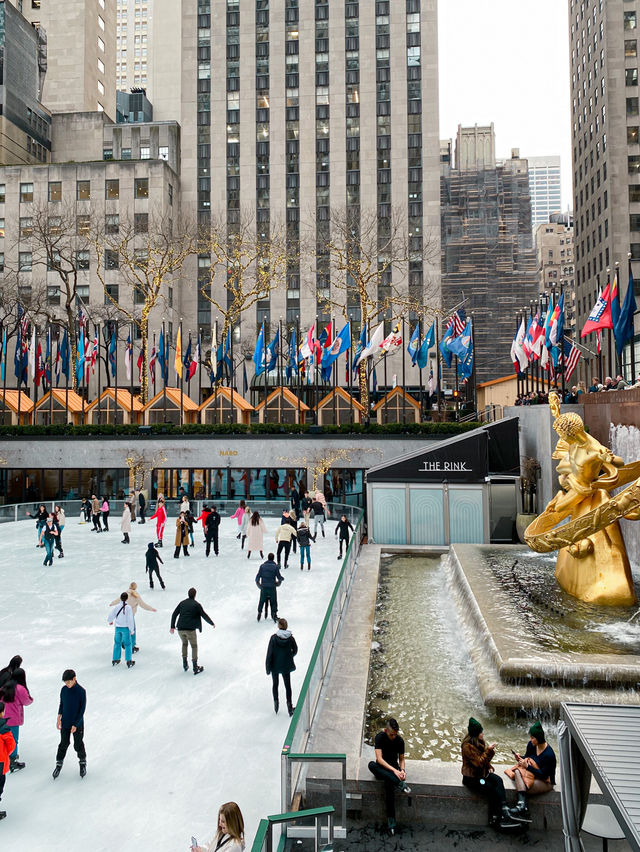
614, 300
65, 355
187, 357
623, 329
245, 380
112, 352
428, 343
272, 352
341, 343
460, 345
444, 344
161, 354
80, 361
223, 356
292, 362
413, 346
3, 363
361, 346
465, 364
258, 352
47, 362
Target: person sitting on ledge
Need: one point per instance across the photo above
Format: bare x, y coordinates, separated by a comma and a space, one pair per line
389, 767
478, 775
534, 773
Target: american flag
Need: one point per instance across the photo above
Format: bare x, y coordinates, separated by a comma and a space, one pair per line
152, 362
571, 358
459, 320
94, 354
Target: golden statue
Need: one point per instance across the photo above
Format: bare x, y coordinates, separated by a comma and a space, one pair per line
592, 561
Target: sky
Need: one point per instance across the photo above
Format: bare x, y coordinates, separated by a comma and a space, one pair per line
507, 62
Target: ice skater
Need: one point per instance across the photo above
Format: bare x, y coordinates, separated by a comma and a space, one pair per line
125, 523
152, 558
105, 508
318, 507
268, 579
70, 721
7, 745
16, 697
238, 515
134, 600
244, 526
304, 545
122, 616
211, 529
182, 536
142, 506
48, 535
284, 534
96, 513
41, 518
343, 526
7, 672
60, 519
280, 653
189, 614
160, 515
255, 535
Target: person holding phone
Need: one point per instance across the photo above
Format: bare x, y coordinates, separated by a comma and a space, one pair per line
230, 834
535, 773
478, 775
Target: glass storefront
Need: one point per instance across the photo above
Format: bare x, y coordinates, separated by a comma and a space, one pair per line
27, 485
228, 483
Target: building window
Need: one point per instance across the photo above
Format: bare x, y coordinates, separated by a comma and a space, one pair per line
100, 88
111, 223
82, 259
107, 153
1, 261
2, 227
2, 193
83, 190
630, 21
26, 193
100, 44
125, 154
101, 22
632, 108
632, 136
141, 258
141, 188
26, 227
145, 152
111, 259
83, 225
141, 223
101, 66
631, 76
112, 189
163, 152
55, 190
24, 261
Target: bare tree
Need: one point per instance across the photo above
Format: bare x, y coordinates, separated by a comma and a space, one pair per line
149, 251
370, 261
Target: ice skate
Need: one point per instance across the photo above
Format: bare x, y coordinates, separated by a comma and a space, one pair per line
57, 770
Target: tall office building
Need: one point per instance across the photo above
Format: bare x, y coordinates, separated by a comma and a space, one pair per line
556, 273
544, 186
488, 260
606, 151
294, 110
134, 21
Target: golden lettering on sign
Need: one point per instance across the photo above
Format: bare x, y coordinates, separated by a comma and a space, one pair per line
228, 452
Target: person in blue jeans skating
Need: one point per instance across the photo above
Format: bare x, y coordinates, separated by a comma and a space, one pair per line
304, 545
48, 537
122, 616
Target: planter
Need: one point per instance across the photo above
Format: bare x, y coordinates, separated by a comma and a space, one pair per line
523, 519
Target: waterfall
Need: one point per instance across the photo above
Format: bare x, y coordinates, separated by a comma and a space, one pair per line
625, 442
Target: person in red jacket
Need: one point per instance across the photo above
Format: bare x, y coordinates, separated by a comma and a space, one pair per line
7, 745
160, 515
203, 517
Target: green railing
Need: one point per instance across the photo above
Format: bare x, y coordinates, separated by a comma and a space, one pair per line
264, 840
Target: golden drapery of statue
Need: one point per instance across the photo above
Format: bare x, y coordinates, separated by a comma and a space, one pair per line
592, 559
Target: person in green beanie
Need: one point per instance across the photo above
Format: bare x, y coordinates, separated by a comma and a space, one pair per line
540, 761
478, 775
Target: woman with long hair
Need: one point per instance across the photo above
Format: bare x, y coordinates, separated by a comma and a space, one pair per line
230, 834
255, 534
478, 775
16, 697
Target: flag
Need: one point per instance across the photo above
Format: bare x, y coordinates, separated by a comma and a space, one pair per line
292, 361
375, 381
413, 345
427, 344
374, 343
112, 352
271, 352
178, 359
223, 356
3, 362
393, 340
128, 353
58, 363
548, 322
432, 382
444, 344
556, 332
80, 355
538, 333
46, 381
39, 366
162, 356
87, 356
341, 343
195, 361
32, 354
140, 363
624, 328
94, 354
600, 316
65, 353
307, 346
465, 365
518, 356
188, 359
361, 346
614, 300
598, 342
245, 380
214, 354
459, 320
152, 362
258, 352
322, 343
460, 345
571, 358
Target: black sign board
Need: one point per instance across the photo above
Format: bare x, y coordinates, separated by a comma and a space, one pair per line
458, 461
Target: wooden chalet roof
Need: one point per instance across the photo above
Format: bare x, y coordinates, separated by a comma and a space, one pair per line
238, 400
288, 395
10, 398
511, 378
66, 398
122, 398
173, 396
397, 392
339, 391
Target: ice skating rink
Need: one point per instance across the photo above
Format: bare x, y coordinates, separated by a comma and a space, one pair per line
164, 748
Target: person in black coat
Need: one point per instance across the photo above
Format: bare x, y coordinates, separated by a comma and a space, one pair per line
211, 524
280, 653
152, 558
142, 504
268, 579
73, 703
295, 501
343, 526
189, 614
290, 518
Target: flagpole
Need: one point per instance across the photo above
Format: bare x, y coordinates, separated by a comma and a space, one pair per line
131, 371
473, 368
155, 363
85, 374
33, 378
265, 371
231, 369
630, 283
315, 370
3, 331
296, 355
438, 370
66, 387
188, 369
181, 378
97, 336
165, 373
199, 369
332, 376
404, 387
50, 365
349, 374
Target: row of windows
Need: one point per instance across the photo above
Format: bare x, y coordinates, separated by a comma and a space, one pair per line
83, 190
82, 260
145, 153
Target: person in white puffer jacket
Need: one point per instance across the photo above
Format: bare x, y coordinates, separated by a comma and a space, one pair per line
122, 616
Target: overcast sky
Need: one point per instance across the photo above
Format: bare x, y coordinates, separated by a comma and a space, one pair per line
507, 61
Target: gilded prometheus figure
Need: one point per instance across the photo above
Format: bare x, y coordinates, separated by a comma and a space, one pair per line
592, 560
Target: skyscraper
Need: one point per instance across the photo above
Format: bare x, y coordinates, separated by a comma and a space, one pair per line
605, 116
134, 21
544, 186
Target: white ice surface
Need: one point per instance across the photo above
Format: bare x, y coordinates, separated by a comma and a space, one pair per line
164, 748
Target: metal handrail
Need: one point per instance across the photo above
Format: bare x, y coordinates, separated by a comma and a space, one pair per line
263, 841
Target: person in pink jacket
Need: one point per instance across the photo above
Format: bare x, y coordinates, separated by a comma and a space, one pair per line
16, 697
160, 515
239, 515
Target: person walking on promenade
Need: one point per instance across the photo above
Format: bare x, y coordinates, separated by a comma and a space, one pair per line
160, 515
182, 536
48, 536
70, 721
304, 544
134, 600
244, 526
122, 616
280, 653
284, 535
125, 523
268, 579
60, 520
41, 519
95, 513
255, 535
211, 525
105, 508
389, 767
142, 506
152, 558
239, 515
343, 526
189, 614
7, 745
16, 697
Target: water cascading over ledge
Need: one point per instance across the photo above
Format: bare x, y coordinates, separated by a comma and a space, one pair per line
625, 442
